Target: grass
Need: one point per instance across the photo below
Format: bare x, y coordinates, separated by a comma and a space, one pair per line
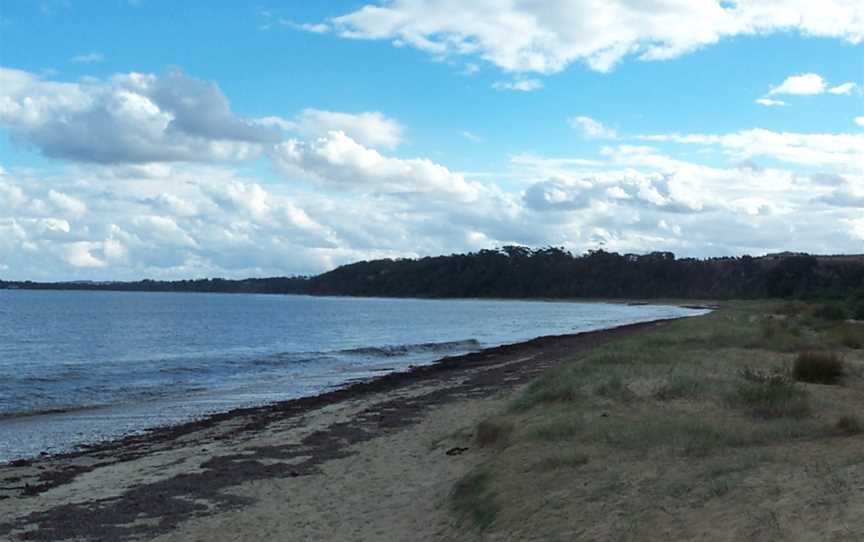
706, 400
848, 335
614, 387
560, 461
771, 398
680, 386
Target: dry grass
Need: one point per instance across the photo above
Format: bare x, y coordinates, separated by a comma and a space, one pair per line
697, 411
493, 432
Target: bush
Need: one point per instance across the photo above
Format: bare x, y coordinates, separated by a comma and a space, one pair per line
818, 367
831, 311
849, 426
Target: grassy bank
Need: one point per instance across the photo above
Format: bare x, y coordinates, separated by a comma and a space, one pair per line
743, 424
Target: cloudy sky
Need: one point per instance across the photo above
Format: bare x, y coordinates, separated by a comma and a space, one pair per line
164, 139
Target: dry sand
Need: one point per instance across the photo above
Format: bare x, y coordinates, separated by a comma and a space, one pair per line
374, 461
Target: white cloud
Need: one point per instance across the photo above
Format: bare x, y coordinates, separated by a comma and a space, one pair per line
524, 85
369, 128
843, 151
127, 119
473, 138
856, 227
184, 220
338, 160
545, 37
768, 102
804, 84
859, 121
88, 58
591, 128
67, 203
845, 88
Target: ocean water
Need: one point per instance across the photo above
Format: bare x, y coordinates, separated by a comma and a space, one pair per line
79, 367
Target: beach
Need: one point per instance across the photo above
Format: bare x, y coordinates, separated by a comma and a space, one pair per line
374, 460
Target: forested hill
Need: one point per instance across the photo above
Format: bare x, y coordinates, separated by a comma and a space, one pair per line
519, 272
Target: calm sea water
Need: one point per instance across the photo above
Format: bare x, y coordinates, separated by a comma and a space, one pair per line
78, 367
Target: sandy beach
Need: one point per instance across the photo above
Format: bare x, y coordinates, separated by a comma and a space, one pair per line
373, 461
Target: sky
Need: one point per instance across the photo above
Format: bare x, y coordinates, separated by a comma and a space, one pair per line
168, 140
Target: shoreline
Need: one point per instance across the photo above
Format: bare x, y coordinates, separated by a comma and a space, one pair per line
286, 440
203, 417
351, 389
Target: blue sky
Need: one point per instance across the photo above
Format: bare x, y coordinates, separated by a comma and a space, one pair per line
167, 139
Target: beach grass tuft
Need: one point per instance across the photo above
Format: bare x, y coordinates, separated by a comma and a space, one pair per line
494, 431
472, 499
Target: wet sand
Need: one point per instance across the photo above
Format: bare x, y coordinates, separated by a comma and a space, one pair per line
372, 461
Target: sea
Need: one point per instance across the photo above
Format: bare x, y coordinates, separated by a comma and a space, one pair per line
79, 367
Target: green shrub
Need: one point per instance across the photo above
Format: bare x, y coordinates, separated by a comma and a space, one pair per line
818, 367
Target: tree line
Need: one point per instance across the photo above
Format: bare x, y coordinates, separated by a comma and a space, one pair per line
551, 272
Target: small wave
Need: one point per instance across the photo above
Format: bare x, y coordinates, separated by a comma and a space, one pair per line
292, 358
47, 411
405, 349
184, 370
49, 378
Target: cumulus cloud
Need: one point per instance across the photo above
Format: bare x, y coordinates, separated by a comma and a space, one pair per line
859, 121
66, 203
338, 160
591, 128
804, 84
545, 37
184, 220
522, 85
369, 128
128, 118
